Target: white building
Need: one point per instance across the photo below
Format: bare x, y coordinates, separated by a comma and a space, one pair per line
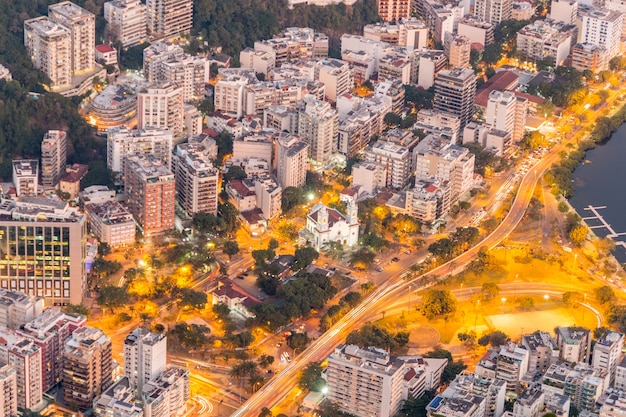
169, 18
458, 49
291, 160
428, 200
546, 39
123, 142
144, 356
188, 73
337, 77
126, 20
477, 31
196, 179
586, 56
574, 344
410, 32
430, 63
620, 375
501, 110
82, 26
50, 47
25, 176
493, 390
117, 401
155, 55
8, 386
262, 62
17, 308
317, 126
369, 177
396, 160
430, 121
324, 224
607, 352
24, 356
355, 43
228, 93
564, 11
166, 395
111, 223
602, 27
512, 365
268, 196
493, 11
161, 106
53, 157
254, 145
543, 351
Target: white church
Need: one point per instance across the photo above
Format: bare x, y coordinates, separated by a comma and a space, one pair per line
325, 224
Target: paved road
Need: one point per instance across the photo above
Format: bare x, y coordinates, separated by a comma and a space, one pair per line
388, 293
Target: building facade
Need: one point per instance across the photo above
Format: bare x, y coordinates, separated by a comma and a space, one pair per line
126, 20
197, 179
53, 157
144, 356
455, 90
123, 142
167, 18
161, 107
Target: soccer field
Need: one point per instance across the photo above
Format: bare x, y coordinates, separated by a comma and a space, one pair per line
546, 320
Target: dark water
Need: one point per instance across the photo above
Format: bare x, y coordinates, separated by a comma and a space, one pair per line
601, 181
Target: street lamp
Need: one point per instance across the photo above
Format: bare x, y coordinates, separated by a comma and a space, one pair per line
546, 297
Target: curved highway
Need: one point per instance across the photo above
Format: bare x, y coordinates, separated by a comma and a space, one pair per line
386, 295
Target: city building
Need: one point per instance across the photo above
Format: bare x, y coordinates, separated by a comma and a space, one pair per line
431, 121
607, 352
53, 157
458, 49
24, 356
441, 17
241, 194
49, 330
268, 196
614, 404
293, 44
161, 106
262, 62
111, 223
601, 27
574, 344
512, 365
411, 33
17, 308
620, 375
396, 66
254, 145
168, 18
105, 55
493, 11
25, 176
155, 55
543, 351
317, 126
150, 193
463, 405
236, 298
228, 92
324, 225
123, 142
369, 177
494, 140
430, 63
394, 10
428, 201
546, 39
144, 356
166, 395
337, 77
501, 111
54, 267
126, 20
87, 367
70, 181
493, 390
455, 90
117, 401
522, 10
586, 56
529, 403
82, 26
50, 47
476, 30
196, 179
8, 388
438, 158
291, 160
355, 43
186, 72
565, 11
585, 385
396, 160
115, 105
362, 65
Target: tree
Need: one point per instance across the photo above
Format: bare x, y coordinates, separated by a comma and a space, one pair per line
416, 407
298, 341
265, 360
112, 297
311, 378
402, 338
351, 299
191, 336
604, 294
372, 335
392, 119
525, 303
490, 290
222, 311
305, 257
291, 197
78, 309
235, 172
438, 302
362, 258
598, 332
230, 248
452, 369
578, 234
191, 298
495, 339
571, 298
616, 317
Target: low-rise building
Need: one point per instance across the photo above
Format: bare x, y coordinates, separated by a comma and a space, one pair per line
574, 344
546, 39
586, 56
237, 299
17, 308
25, 176
166, 395
369, 177
118, 401
111, 223
325, 225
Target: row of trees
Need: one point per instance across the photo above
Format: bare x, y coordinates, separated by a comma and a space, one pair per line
458, 241
377, 336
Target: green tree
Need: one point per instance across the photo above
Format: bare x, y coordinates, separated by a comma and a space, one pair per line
495, 338
452, 369
392, 119
351, 299
416, 407
305, 257
311, 378
298, 341
230, 248
291, 197
437, 303
616, 317
604, 294
402, 338
221, 310
191, 336
578, 234
372, 335
571, 298
235, 172
188, 297
525, 303
490, 290
265, 360
112, 297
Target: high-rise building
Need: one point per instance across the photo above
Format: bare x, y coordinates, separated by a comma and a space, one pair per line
49, 330
82, 26
458, 48
395, 159
607, 352
455, 90
268, 196
337, 77
166, 395
167, 18
123, 142
150, 193
126, 20
493, 11
512, 365
620, 375
53, 157
161, 106
543, 351
25, 358
564, 11
17, 308
501, 110
155, 55
42, 242
602, 27
188, 73
394, 10
317, 126
586, 56
8, 388
574, 344
546, 39
144, 356
291, 160
87, 367
196, 179
50, 48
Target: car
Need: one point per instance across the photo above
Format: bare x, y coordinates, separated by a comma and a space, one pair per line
376, 260
408, 251
395, 259
241, 277
379, 269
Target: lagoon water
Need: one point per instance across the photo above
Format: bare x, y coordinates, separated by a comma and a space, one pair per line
601, 181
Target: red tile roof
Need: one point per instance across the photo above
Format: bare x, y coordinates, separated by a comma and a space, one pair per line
503, 80
103, 49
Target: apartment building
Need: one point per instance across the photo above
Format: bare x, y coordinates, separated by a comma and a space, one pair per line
428, 200
410, 32
49, 330
529, 403
430, 121
455, 90
268, 196
228, 95
496, 141
607, 352
493, 390
54, 267
144, 356
188, 73
601, 27
82, 26
586, 56
258, 96
441, 17
167, 394
293, 44
462, 405
369, 177
565, 11
127, 21
546, 39
8, 388
476, 30
337, 77
620, 375
196, 179
53, 157
458, 49
355, 43
118, 400
512, 365
396, 160
291, 160
317, 126
262, 62
24, 356
155, 55
25, 176
501, 110
431, 62
70, 181
49, 45
123, 142
111, 223
396, 66
493, 11
574, 344
17, 308
87, 367
393, 10
169, 18
150, 193
522, 10
543, 351
585, 385
161, 106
